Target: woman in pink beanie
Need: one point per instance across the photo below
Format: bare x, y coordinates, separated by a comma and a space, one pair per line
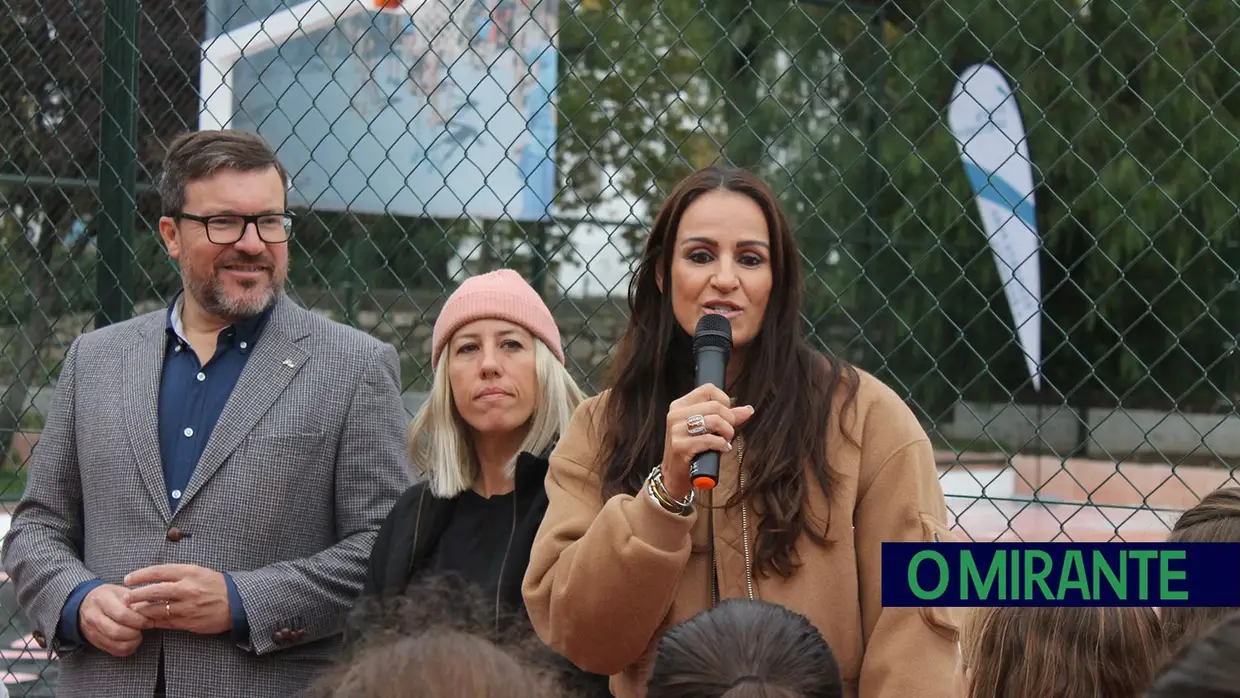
501, 396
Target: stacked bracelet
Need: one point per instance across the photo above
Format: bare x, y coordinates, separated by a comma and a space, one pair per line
654, 486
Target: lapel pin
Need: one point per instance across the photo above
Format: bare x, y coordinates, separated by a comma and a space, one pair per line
289, 363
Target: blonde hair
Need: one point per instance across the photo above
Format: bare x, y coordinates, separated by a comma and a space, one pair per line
1067, 652
439, 443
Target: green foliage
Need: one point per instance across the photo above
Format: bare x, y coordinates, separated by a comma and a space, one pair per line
1129, 108
1130, 116
1134, 143
665, 88
631, 98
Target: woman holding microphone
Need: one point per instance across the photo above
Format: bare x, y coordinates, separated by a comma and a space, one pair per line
821, 463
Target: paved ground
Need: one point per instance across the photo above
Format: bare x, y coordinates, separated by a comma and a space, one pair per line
1002, 513
985, 502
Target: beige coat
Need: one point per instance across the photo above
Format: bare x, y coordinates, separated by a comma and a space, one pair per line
605, 580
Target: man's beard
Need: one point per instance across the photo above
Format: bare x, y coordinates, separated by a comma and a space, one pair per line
214, 299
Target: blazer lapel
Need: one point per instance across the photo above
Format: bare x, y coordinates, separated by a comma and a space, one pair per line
274, 362
144, 365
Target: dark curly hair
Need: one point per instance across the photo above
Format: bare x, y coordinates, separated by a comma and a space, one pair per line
441, 639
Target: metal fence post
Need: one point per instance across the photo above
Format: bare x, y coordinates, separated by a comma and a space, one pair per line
875, 83
118, 161
870, 299
541, 267
1139, 258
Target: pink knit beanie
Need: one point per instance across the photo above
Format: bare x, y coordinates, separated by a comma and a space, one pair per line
501, 295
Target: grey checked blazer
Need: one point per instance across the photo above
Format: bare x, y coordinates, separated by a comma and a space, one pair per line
306, 461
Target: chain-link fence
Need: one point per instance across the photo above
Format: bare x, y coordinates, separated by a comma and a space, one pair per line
441, 137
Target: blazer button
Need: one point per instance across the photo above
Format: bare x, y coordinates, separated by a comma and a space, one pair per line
174, 534
282, 636
39, 639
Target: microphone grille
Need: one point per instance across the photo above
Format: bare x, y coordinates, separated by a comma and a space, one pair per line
713, 331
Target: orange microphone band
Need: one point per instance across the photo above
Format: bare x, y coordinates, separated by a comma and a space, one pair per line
703, 482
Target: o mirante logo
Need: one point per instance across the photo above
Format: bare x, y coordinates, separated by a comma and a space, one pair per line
1061, 574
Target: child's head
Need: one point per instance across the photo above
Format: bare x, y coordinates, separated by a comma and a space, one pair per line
745, 649
1215, 519
439, 639
1068, 652
439, 663
1207, 667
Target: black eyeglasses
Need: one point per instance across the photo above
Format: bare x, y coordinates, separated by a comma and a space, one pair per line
227, 229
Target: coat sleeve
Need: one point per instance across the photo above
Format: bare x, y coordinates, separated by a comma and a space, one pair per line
602, 575
43, 548
377, 565
393, 543
909, 652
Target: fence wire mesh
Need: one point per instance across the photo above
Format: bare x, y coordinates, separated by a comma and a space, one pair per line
436, 138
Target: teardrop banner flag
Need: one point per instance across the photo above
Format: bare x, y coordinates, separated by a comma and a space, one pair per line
990, 135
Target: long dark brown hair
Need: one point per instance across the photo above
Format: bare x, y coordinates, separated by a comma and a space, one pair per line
789, 384
1066, 652
439, 638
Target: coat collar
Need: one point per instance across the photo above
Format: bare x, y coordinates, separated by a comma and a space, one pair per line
272, 365
432, 514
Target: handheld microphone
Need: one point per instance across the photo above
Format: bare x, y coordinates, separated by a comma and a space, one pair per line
712, 347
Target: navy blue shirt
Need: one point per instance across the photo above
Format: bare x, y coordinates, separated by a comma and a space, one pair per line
191, 398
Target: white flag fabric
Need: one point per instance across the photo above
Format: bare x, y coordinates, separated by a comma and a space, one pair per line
985, 119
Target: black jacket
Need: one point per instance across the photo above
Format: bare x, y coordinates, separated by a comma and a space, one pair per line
418, 520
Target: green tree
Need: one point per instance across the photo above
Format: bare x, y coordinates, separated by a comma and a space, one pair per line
1131, 129
1133, 138
631, 99
654, 90
49, 124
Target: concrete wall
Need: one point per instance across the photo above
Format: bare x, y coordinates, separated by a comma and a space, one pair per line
1112, 434
42, 400
590, 328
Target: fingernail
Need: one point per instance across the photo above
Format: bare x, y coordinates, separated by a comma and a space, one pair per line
729, 445
731, 401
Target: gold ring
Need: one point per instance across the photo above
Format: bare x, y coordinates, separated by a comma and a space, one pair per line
696, 424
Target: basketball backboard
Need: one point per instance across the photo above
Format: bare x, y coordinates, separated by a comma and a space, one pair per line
221, 53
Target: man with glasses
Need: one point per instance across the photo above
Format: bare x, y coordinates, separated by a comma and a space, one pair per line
210, 479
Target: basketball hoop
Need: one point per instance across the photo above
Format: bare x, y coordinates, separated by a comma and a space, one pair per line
404, 7
392, 7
